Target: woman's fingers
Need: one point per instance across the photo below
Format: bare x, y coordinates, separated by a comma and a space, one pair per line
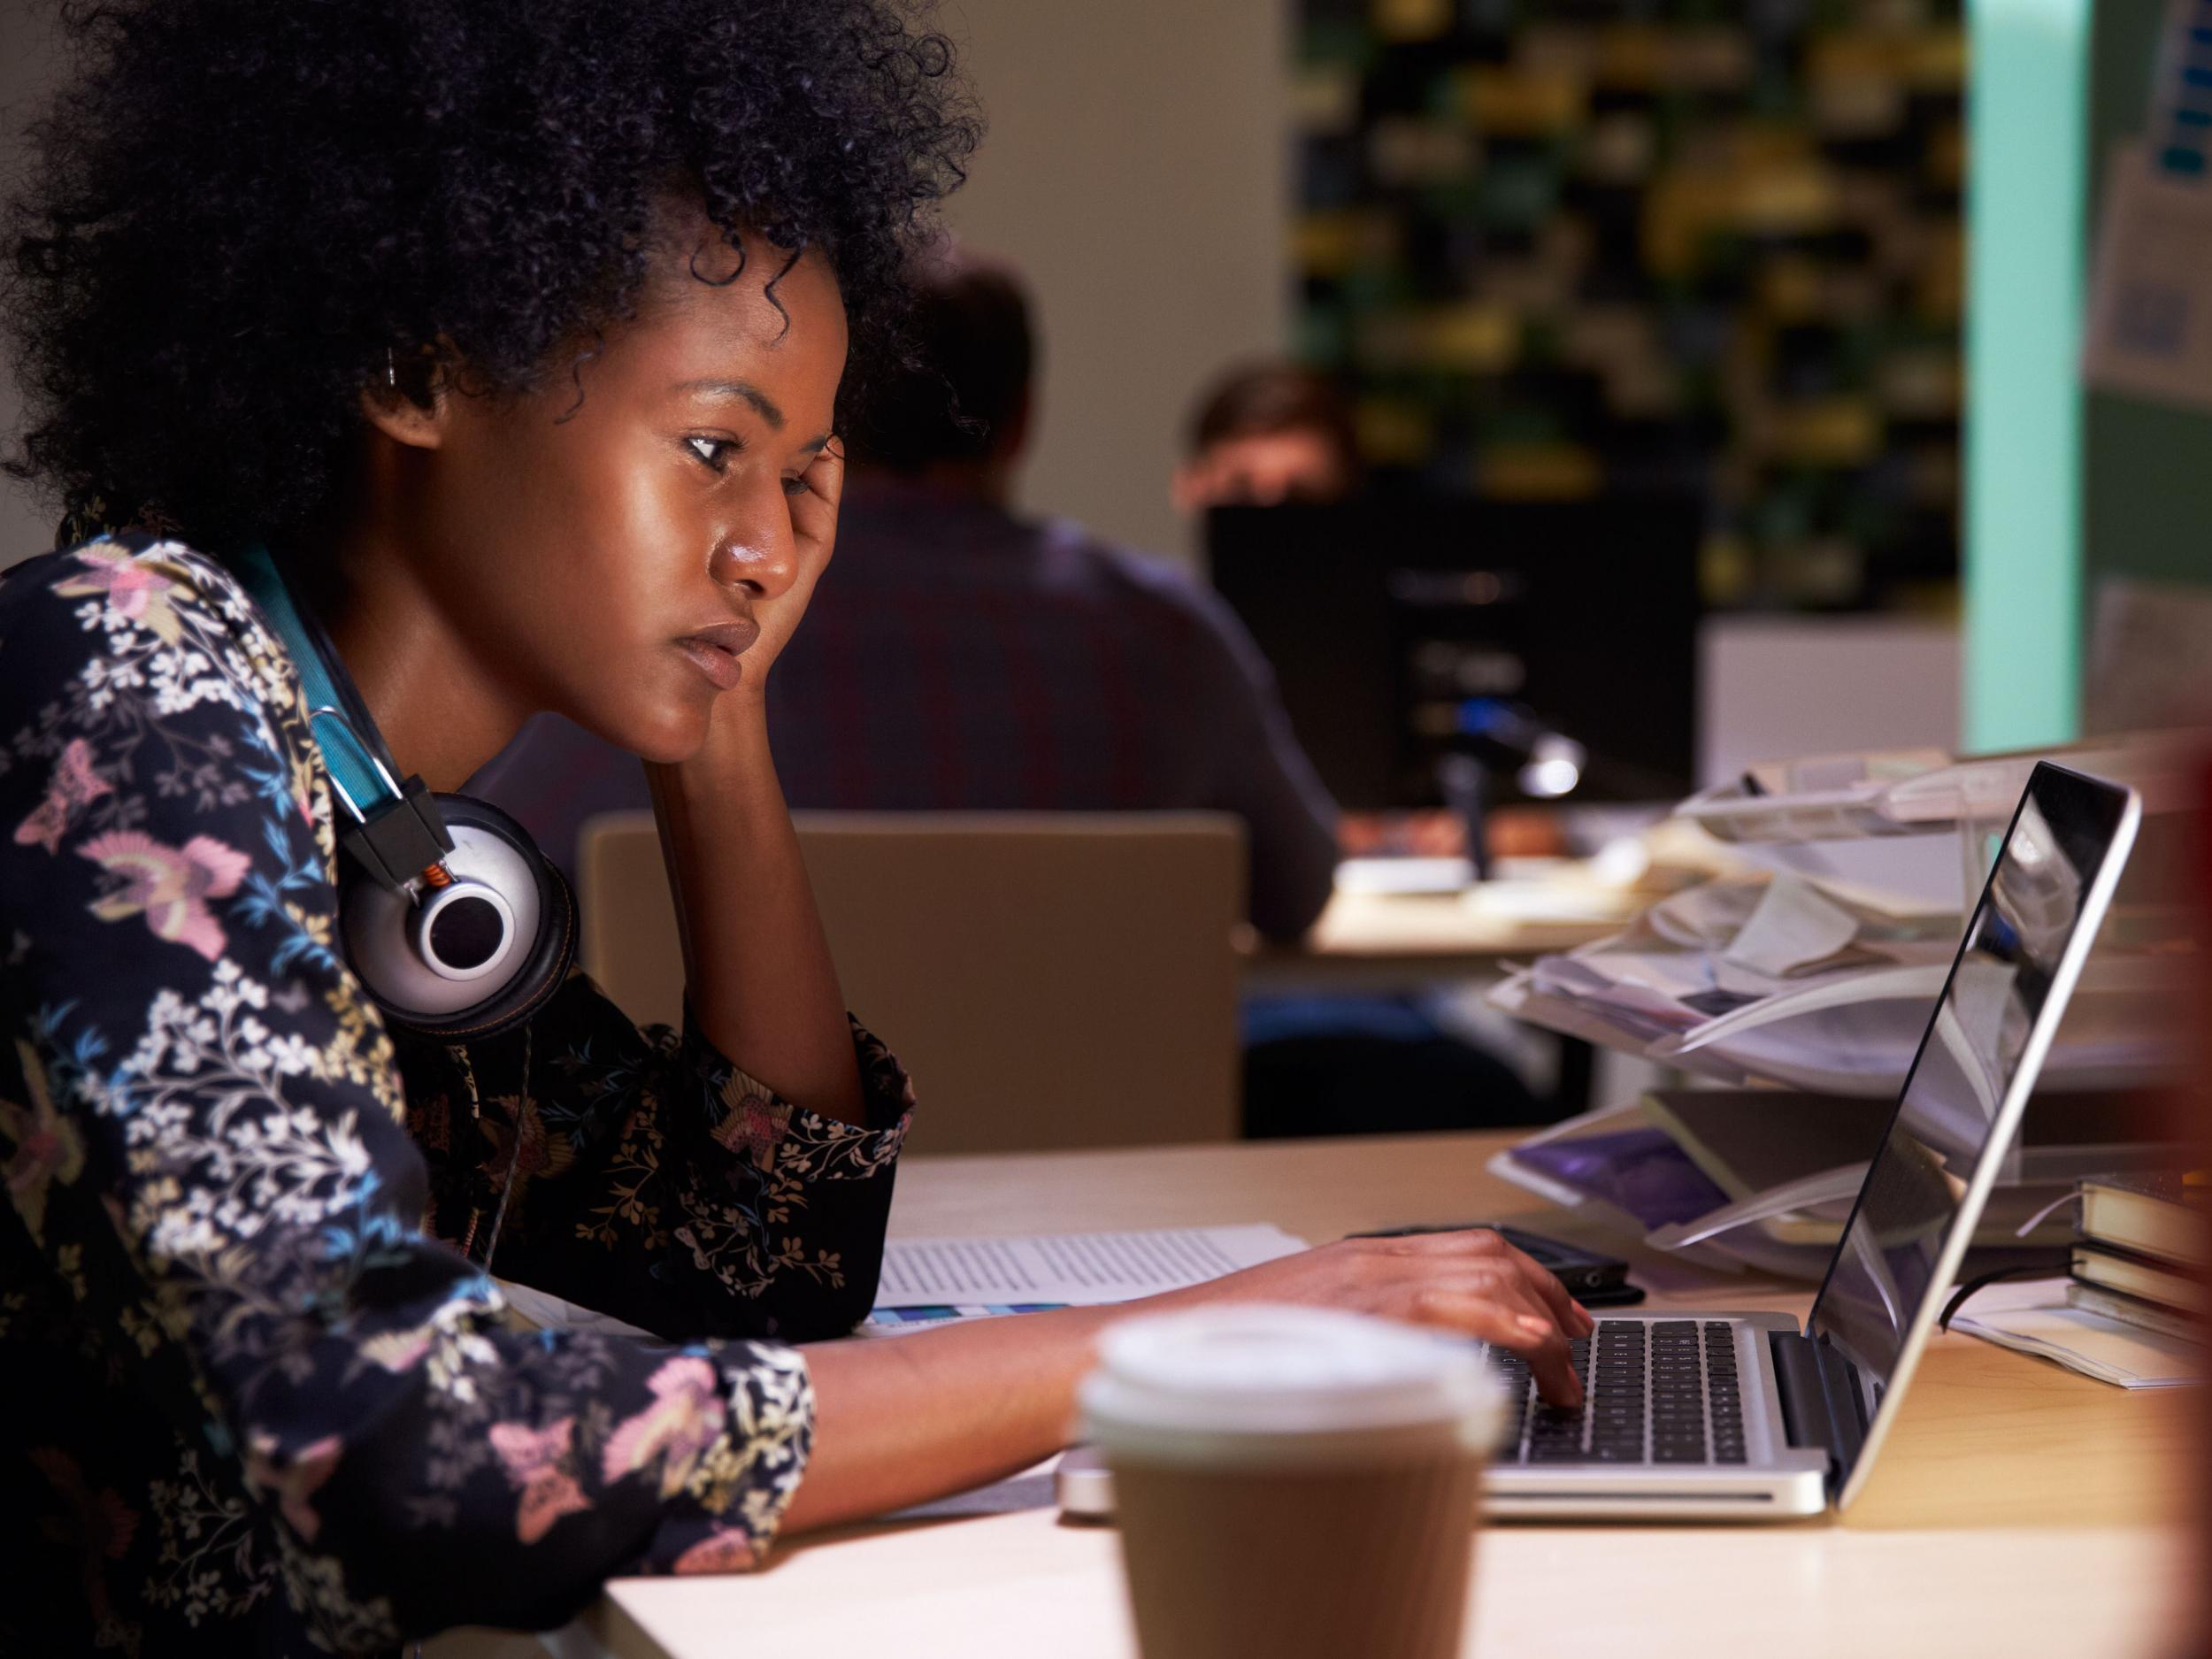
826, 473
1533, 1336
1471, 1282
1572, 1317
1482, 1243
814, 510
1495, 1302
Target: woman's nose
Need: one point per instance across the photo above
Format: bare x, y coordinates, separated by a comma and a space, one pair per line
761, 556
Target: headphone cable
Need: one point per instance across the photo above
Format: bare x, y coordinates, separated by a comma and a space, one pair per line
514, 1152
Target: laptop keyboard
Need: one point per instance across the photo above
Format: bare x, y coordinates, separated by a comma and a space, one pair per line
1655, 1391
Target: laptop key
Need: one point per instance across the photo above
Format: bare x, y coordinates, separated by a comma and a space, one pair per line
1557, 1454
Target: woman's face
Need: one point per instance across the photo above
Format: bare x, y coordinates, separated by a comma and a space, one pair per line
612, 556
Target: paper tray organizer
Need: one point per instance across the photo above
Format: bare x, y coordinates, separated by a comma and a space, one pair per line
1911, 791
1777, 979
1789, 980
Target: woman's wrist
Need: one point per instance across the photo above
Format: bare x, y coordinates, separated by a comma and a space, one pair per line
750, 695
736, 742
726, 788
756, 967
904, 1419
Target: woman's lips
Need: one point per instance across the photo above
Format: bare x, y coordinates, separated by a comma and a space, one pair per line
714, 651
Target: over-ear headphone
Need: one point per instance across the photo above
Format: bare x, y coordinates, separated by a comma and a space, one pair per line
447, 913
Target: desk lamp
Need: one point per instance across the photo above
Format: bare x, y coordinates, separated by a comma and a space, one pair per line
1491, 738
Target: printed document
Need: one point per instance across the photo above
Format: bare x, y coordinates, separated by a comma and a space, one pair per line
1070, 1269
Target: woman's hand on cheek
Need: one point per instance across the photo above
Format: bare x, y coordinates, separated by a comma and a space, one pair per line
814, 536
814, 510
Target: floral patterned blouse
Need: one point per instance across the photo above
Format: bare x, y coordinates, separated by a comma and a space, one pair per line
258, 1392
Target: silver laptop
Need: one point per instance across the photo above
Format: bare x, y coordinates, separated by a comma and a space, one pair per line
1744, 1417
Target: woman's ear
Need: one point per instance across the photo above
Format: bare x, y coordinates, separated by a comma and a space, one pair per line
409, 404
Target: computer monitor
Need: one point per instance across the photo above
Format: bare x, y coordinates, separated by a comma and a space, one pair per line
1384, 617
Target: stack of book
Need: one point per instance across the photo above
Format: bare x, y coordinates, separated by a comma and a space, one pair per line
2143, 1251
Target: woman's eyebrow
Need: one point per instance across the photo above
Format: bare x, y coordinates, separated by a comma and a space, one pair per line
741, 391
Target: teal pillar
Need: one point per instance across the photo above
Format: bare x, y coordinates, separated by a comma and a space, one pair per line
2027, 217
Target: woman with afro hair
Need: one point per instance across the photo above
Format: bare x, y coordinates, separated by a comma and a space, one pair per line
400, 368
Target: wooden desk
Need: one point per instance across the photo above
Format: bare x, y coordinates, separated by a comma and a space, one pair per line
2019, 1509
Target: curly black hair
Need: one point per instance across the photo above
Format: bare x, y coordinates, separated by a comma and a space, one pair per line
238, 207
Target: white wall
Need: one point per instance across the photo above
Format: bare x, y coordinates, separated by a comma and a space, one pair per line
1770, 688
1137, 170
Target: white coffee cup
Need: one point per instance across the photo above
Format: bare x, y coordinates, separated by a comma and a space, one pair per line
1293, 1481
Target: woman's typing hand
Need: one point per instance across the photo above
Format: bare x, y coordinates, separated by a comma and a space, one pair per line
1473, 1282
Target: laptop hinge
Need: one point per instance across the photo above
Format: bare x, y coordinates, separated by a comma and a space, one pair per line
1820, 1403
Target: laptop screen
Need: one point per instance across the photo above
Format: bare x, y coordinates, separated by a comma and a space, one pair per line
1948, 1116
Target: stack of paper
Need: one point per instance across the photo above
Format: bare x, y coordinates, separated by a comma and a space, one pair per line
1697, 977
1766, 1178
1909, 792
1791, 980
2031, 1316
932, 1281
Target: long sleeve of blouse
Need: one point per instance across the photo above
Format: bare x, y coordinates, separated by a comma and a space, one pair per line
258, 1388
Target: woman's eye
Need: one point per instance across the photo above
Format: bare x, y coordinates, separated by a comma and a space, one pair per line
795, 486
712, 453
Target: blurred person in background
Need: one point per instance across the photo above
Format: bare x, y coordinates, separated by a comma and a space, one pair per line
966, 657
1270, 434
1266, 434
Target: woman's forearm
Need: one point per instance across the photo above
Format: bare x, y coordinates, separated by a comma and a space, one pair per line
904, 1419
757, 969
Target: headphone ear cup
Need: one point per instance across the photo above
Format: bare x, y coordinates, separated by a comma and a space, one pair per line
388, 947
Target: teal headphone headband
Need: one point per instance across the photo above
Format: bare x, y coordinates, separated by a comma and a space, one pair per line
447, 913
361, 777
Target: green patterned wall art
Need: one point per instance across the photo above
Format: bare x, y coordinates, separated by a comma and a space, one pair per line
1560, 248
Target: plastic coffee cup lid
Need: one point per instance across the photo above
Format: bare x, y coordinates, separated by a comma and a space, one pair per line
1262, 1370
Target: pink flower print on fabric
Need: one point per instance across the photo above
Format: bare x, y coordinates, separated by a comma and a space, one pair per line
399, 1351
99, 1525
294, 1480
47, 1148
754, 1129
685, 1419
73, 786
526, 1145
133, 588
537, 1461
725, 1549
171, 885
